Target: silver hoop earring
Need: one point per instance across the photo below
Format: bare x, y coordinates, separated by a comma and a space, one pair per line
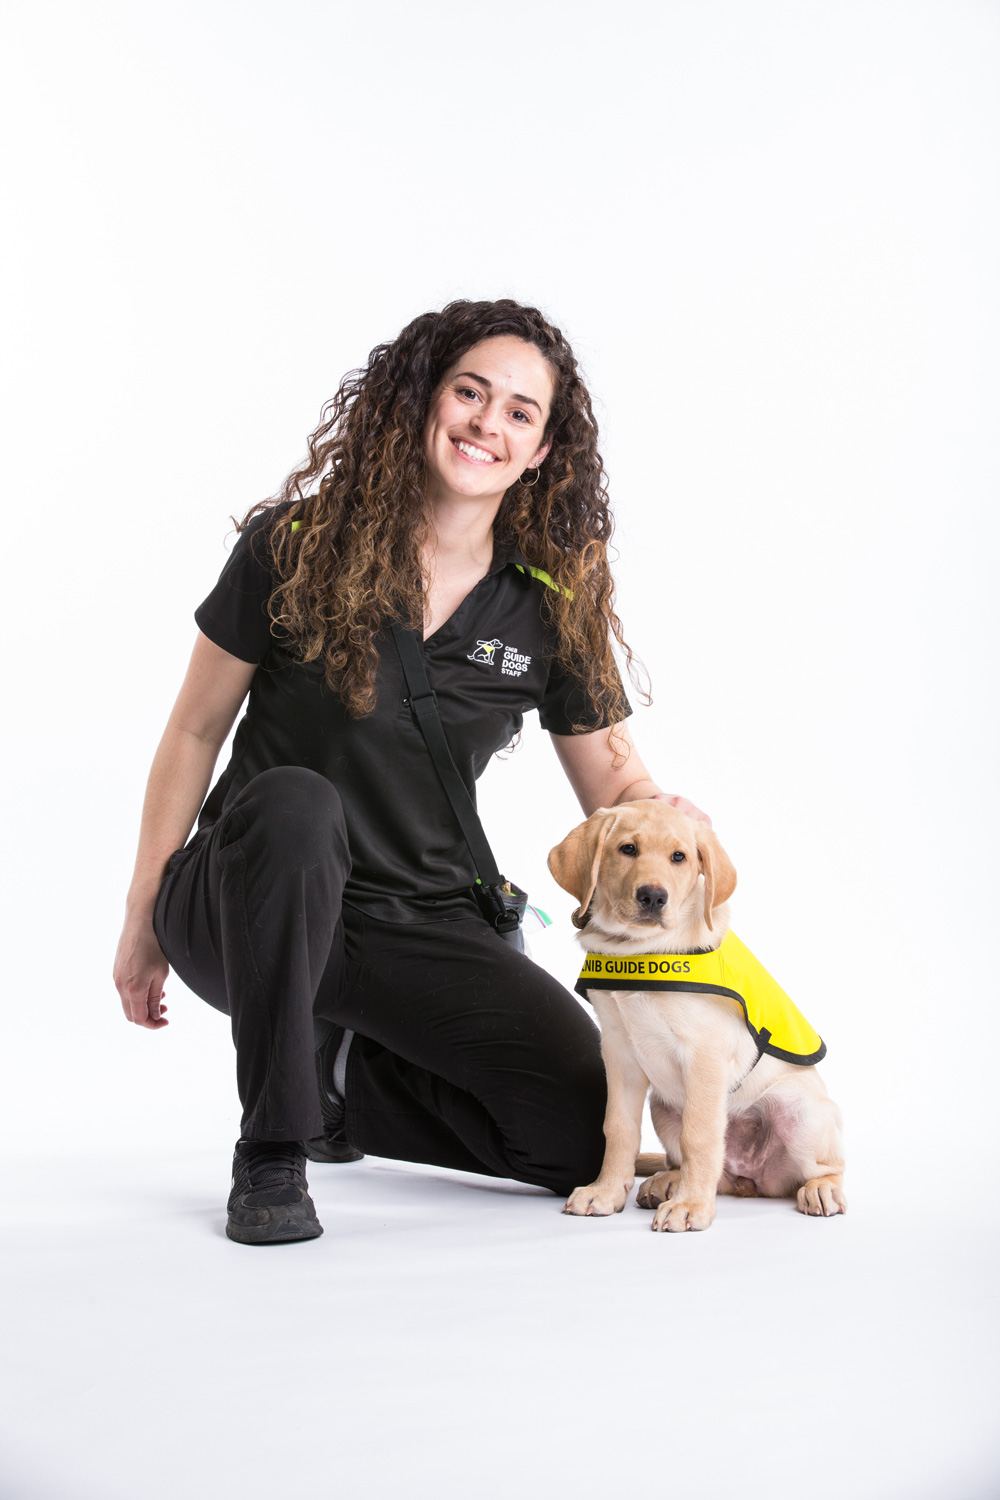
529, 482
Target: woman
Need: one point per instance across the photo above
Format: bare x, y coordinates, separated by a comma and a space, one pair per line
454, 485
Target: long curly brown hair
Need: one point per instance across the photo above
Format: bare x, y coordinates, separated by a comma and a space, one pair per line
354, 561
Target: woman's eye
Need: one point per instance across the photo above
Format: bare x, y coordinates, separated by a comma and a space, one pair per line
629, 850
468, 391
523, 415
678, 857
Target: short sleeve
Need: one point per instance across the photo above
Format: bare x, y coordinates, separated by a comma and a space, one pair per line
566, 705
234, 615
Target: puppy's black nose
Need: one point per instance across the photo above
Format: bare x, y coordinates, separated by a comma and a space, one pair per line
652, 898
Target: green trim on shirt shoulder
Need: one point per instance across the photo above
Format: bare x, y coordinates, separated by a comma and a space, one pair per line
543, 578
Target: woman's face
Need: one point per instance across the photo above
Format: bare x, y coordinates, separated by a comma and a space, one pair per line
486, 419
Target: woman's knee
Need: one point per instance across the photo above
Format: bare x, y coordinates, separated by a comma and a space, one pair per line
583, 1123
562, 1145
291, 810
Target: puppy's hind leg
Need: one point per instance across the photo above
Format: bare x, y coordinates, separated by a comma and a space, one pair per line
662, 1183
813, 1138
658, 1188
822, 1197
664, 1173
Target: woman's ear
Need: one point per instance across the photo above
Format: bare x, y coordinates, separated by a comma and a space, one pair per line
717, 868
541, 455
575, 862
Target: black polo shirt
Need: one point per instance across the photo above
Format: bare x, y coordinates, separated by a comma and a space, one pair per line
488, 664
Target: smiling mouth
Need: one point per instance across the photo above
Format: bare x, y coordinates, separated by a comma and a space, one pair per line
473, 454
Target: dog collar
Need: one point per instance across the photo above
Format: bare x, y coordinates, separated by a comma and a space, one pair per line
777, 1026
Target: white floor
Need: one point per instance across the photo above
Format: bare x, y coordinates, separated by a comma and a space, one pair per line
452, 1336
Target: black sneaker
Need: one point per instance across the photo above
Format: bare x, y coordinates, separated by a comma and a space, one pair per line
270, 1202
332, 1145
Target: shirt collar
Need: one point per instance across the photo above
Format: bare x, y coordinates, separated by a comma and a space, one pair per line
505, 555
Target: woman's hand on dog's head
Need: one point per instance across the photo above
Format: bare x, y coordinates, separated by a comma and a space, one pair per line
683, 805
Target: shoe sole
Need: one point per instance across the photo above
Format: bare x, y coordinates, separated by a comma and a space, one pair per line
282, 1231
325, 1150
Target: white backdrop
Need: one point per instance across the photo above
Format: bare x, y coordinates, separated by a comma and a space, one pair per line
770, 229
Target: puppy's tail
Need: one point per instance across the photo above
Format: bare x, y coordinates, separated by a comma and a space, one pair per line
648, 1163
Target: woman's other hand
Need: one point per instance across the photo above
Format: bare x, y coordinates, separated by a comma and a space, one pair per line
606, 770
683, 805
140, 972
213, 689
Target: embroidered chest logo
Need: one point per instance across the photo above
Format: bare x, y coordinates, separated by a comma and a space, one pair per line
512, 661
485, 651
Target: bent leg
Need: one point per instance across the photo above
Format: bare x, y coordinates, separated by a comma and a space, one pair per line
468, 1055
248, 916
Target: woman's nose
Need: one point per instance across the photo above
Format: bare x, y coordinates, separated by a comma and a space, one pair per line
486, 418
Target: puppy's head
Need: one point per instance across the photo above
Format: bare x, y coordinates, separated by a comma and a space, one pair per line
644, 865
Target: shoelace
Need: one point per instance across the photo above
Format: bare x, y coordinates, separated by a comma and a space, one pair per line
270, 1162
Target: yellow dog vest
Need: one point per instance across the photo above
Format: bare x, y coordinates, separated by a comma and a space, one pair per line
775, 1024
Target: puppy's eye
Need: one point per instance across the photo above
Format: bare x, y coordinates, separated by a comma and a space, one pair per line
629, 850
678, 857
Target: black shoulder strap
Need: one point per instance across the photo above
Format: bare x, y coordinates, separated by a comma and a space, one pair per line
423, 701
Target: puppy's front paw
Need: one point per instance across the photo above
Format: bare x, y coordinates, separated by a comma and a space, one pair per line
821, 1197
679, 1214
657, 1189
597, 1200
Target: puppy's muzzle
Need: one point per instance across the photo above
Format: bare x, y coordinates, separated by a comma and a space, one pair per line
651, 900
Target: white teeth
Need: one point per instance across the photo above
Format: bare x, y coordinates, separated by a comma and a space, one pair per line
479, 454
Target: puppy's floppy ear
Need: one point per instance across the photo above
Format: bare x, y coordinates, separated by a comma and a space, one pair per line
718, 869
575, 862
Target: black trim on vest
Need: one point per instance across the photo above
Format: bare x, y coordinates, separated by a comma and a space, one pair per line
762, 1038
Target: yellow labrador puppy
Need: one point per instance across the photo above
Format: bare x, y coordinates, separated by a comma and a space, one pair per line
736, 1099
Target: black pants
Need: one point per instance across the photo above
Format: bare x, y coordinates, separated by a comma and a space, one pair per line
466, 1053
